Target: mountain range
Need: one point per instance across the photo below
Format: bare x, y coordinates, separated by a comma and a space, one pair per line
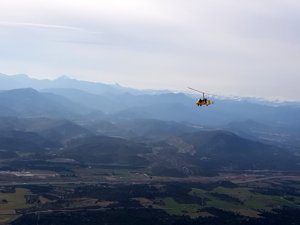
67, 98
162, 131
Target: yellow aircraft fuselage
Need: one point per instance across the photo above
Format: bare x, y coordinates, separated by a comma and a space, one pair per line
202, 102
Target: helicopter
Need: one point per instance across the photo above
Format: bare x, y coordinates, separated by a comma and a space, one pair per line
202, 101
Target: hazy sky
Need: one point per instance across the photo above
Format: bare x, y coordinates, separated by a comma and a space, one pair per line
239, 47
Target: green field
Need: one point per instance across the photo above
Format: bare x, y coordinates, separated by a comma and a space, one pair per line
257, 201
14, 200
240, 200
174, 208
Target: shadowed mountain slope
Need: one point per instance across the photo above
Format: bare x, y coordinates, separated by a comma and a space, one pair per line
107, 150
31, 103
225, 150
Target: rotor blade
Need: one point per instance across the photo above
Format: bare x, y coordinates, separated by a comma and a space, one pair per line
196, 90
202, 92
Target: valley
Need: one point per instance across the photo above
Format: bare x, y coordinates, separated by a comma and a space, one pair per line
251, 199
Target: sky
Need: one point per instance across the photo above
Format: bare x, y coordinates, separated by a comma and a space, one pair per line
228, 47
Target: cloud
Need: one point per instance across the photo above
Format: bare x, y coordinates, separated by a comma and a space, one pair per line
39, 25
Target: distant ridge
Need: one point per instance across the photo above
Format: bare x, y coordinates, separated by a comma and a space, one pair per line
17, 81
